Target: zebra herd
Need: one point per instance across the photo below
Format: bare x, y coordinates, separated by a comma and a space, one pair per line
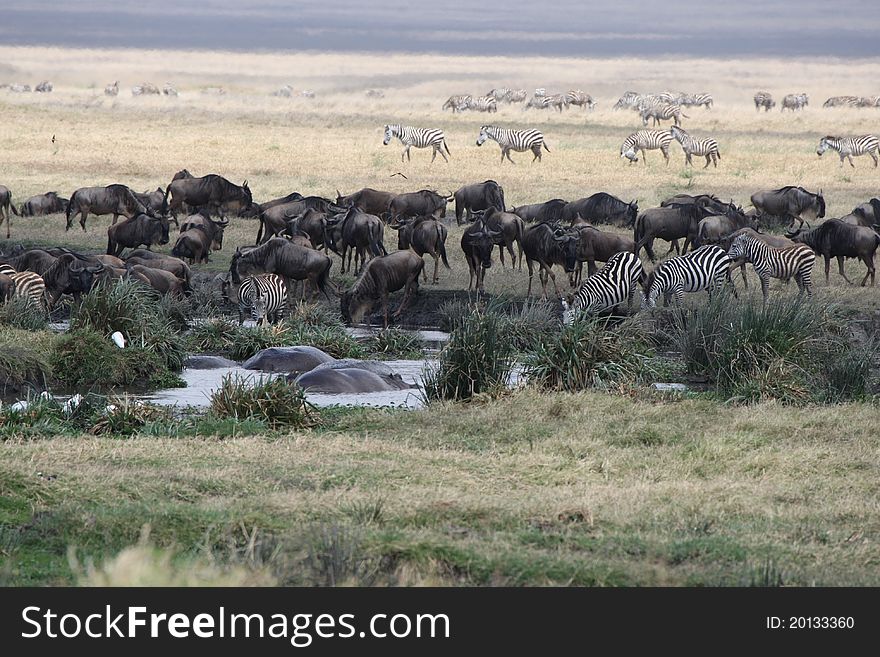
646, 140
540, 100
793, 102
507, 139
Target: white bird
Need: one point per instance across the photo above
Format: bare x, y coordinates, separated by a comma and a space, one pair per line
118, 339
71, 405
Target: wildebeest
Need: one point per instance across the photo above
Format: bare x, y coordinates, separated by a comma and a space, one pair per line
789, 202
477, 242
313, 224
67, 276
478, 196
35, 260
371, 201
509, 230
290, 261
548, 212
595, 246
152, 200
41, 204
548, 245
362, 233
423, 203
211, 191
137, 231
836, 239
672, 223
274, 219
865, 214
714, 227
381, 276
159, 261
424, 235
602, 208
113, 199
160, 280
5, 205
712, 203
199, 239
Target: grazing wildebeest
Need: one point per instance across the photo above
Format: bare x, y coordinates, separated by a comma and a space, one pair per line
198, 240
35, 260
713, 228
136, 231
595, 245
602, 208
423, 203
311, 223
211, 191
5, 205
549, 212
672, 223
381, 276
371, 201
113, 199
509, 230
151, 200
290, 261
479, 196
775, 241
361, 233
41, 204
789, 202
68, 276
549, 245
158, 261
273, 220
477, 242
424, 235
713, 203
864, 215
836, 239
160, 280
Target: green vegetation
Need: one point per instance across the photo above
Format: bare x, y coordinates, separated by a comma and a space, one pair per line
20, 312
273, 401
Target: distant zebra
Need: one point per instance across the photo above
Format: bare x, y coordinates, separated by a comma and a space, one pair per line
696, 100
505, 95
846, 147
112, 89
418, 137
263, 297
540, 92
627, 100
169, 90
847, 101
764, 99
770, 262
514, 140
646, 140
483, 104
579, 98
705, 147
537, 102
707, 268
615, 283
457, 103
662, 113
29, 286
517, 95
794, 102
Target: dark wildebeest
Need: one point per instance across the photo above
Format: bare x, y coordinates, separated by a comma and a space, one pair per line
836, 239
602, 208
68, 276
775, 241
709, 201
7, 288
595, 245
35, 260
211, 191
273, 220
132, 233
371, 201
113, 199
479, 196
361, 233
714, 228
381, 276
550, 245
158, 261
151, 200
424, 235
477, 242
290, 261
864, 215
200, 238
672, 223
789, 203
160, 280
311, 223
509, 229
423, 203
5, 205
254, 209
549, 212
42, 204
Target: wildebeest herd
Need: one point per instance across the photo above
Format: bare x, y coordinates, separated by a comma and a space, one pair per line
297, 234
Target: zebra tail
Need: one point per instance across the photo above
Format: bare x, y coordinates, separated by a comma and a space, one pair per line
546, 147
446, 147
441, 247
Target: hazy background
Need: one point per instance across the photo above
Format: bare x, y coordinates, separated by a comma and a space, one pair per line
849, 28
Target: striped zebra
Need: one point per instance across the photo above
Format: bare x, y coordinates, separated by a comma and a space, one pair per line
483, 104
28, 285
662, 112
646, 140
263, 297
697, 100
540, 92
846, 147
794, 102
514, 140
517, 95
764, 99
457, 103
418, 137
579, 98
505, 95
606, 289
770, 262
627, 100
705, 147
707, 268
847, 101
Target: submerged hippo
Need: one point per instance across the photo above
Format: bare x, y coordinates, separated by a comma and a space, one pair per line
203, 362
350, 380
287, 359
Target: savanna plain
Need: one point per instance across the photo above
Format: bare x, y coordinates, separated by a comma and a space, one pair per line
613, 485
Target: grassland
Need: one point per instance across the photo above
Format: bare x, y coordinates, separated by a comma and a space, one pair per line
532, 489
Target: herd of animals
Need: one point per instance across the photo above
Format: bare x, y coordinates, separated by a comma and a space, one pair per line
297, 234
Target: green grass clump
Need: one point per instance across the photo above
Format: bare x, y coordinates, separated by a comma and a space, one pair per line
274, 401
394, 343
24, 360
20, 313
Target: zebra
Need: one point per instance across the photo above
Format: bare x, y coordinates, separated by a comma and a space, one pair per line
662, 113
482, 104
457, 103
794, 102
628, 99
169, 90
112, 89
696, 100
579, 98
706, 147
707, 268
514, 140
538, 102
263, 297
28, 285
540, 92
606, 289
771, 262
517, 95
646, 140
764, 99
847, 101
505, 95
418, 137
846, 147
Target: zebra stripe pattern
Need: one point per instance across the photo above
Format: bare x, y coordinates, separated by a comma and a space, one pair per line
418, 137
705, 147
846, 147
795, 102
662, 113
263, 297
770, 262
29, 286
615, 283
483, 104
505, 95
629, 99
764, 99
696, 100
848, 101
457, 103
646, 140
516, 140
707, 268
579, 98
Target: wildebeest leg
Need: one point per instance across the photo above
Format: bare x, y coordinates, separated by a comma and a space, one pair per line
115, 218
501, 253
385, 307
82, 218
512, 255
869, 263
436, 278
649, 249
840, 261
827, 268
529, 266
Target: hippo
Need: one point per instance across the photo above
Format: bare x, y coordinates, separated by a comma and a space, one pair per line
287, 359
203, 362
350, 380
